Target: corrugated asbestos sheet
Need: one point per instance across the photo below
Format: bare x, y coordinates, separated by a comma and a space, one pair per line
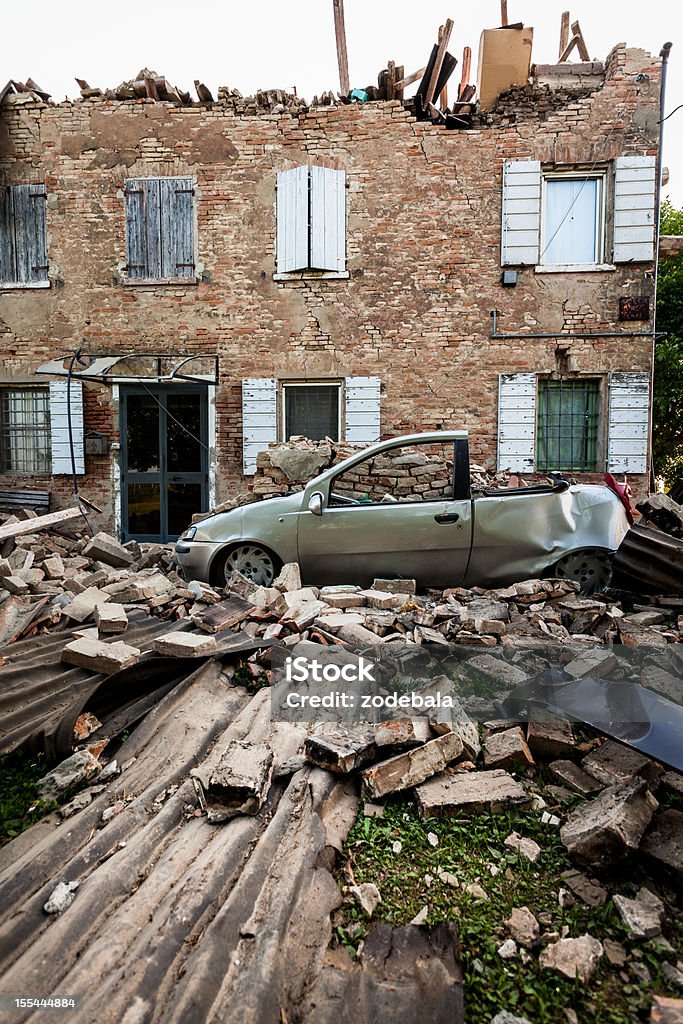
176, 920
41, 697
650, 556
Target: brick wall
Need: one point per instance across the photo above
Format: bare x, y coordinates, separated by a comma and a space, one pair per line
424, 224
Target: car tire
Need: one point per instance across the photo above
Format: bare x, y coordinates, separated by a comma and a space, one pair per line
253, 560
591, 568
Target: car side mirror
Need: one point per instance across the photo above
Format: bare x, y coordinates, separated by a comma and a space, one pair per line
315, 503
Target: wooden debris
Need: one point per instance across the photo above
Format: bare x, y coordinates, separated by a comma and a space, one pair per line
342, 56
34, 525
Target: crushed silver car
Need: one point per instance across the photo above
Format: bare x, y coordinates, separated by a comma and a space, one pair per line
405, 508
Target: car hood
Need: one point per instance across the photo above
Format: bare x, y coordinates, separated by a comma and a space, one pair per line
246, 520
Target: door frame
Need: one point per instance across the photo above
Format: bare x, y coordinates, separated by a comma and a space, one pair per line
207, 471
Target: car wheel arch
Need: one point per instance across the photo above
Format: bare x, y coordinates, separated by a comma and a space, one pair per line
217, 563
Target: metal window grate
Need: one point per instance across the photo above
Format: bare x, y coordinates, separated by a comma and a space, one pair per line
568, 415
312, 411
25, 430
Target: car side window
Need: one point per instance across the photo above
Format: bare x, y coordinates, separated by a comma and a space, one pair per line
407, 473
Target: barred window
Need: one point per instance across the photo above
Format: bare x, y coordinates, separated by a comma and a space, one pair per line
24, 430
311, 410
568, 417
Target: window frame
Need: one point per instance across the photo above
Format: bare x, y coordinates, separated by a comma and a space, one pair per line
542, 381
7, 429
190, 279
282, 419
600, 218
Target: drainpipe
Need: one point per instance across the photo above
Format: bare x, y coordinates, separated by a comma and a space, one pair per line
664, 54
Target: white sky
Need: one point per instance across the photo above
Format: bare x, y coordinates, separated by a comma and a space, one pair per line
281, 43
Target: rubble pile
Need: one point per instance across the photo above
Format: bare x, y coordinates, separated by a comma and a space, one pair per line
289, 466
52, 579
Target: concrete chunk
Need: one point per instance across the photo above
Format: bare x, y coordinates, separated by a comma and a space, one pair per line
470, 793
53, 568
341, 749
61, 897
664, 843
111, 618
603, 830
507, 750
68, 774
84, 604
551, 738
525, 847
598, 662
238, 783
569, 774
99, 656
523, 926
395, 586
185, 645
643, 915
613, 762
104, 548
289, 578
574, 958
14, 584
409, 769
498, 670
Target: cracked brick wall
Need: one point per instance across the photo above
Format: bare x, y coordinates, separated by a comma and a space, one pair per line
423, 252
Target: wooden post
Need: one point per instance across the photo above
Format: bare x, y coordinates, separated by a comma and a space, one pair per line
443, 102
466, 66
503, 12
342, 56
391, 80
438, 63
564, 32
580, 42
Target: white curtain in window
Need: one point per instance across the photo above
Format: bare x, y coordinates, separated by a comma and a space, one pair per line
570, 220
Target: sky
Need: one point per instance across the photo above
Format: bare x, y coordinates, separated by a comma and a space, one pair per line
276, 44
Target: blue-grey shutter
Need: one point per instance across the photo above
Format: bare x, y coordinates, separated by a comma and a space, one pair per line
136, 227
259, 418
23, 234
634, 208
292, 220
516, 422
361, 409
176, 196
521, 212
59, 426
629, 416
328, 219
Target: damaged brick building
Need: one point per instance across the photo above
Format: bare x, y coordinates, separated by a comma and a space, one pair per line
325, 270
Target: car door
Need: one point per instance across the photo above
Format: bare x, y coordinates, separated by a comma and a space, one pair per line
403, 522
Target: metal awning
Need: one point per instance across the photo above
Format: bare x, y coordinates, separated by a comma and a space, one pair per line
136, 367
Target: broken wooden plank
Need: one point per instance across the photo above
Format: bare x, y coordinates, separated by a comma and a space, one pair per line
580, 42
342, 55
438, 62
403, 83
443, 95
564, 33
66, 515
466, 68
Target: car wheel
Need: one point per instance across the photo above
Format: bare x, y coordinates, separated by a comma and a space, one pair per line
254, 561
590, 568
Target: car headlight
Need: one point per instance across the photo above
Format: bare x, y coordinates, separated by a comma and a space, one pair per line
189, 534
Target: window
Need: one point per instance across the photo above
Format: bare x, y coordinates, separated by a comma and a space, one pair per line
311, 410
406, 473
311, 220
160, 228
25, 430
23, 237
567, 429
572, 220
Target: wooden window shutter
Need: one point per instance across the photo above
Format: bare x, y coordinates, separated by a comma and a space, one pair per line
521, 212
59, 426
259, 418
634, 208
361, 409
177, 228
292, 220
328, 219
629, 416
23, 234
136, 227
516, 422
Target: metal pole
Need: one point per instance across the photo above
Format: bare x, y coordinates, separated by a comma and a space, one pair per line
664, 54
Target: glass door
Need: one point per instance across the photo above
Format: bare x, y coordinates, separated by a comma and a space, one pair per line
164, 464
